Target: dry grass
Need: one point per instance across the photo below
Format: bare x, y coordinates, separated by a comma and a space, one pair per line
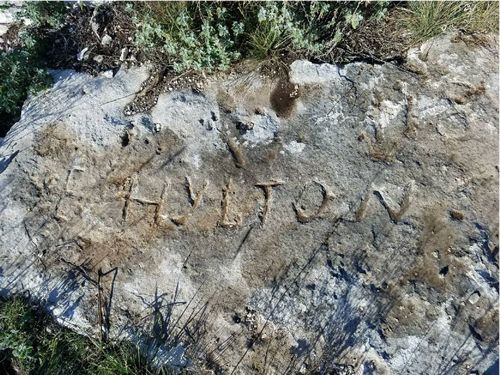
426, 19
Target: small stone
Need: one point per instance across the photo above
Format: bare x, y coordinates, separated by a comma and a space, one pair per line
93, 24
459, 99
123, 54
243, 127
82, 55
157, 127
260, 111
457, 215
440, 130
474, 298
98, 58
106, 40
107, 74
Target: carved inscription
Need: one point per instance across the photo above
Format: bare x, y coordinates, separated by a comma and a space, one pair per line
230, 214
327, 197
158, 218
71, 176
227, 191
267, 187
237, 153
126, 195
395, 214
195, 199
361, 211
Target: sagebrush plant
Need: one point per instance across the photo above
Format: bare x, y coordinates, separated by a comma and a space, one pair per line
303, 28
213, 35
199, 36
32, 343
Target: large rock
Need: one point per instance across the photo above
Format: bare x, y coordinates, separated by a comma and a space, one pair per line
343, 222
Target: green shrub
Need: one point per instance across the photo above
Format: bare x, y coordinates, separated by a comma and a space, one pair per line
307, 29
15, 323
49, 14
32, 343
26, 341
23, 69
212, 35
20, 75
199, 36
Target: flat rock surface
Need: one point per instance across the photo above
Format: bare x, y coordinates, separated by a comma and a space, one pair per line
343, 220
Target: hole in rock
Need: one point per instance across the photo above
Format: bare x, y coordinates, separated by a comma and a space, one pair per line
125, 140
444, 271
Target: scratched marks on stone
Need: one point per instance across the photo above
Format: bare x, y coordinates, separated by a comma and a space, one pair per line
314, 202
113, 206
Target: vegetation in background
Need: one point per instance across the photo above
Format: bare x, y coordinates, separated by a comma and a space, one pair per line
44, 13
213, 35
191, 35
22, 67
426, 19
30, 342
20, 75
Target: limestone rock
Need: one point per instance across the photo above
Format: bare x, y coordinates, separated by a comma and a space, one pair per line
311, 238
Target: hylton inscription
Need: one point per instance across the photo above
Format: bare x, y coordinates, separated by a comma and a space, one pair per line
227, 210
